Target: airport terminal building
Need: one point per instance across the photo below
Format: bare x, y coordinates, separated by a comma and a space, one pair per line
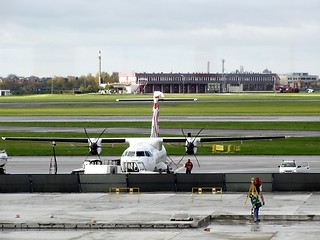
201, 82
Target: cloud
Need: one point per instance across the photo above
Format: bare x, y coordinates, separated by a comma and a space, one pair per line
159, 35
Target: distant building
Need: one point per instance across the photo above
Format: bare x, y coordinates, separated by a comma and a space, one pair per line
201, 82
302, 80
128, 81
4, 92
127, 77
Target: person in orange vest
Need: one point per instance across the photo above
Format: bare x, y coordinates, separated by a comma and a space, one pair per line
188, 166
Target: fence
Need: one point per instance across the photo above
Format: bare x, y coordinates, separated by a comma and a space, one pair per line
232, 182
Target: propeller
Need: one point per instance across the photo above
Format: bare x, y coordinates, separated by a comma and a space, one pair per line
191, 145
94, 144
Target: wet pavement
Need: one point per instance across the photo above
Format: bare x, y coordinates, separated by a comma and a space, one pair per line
286, 215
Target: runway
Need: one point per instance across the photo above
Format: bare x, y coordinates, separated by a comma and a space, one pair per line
208, 164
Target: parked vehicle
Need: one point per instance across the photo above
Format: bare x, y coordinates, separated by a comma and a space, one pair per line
290, 166
303, 167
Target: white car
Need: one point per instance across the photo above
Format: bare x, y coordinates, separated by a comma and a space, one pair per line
303, 167
290, 166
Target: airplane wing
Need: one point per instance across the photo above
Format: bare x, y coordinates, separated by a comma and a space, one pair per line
124, 140
74, 140
220, 139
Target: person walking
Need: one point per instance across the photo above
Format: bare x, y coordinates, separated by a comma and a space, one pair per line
256, 204
188, 166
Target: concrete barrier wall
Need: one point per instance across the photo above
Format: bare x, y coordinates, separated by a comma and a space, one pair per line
297, 182
54, 183
152, 182
232, 182
185, 182
14, 183
101, 182
240, 182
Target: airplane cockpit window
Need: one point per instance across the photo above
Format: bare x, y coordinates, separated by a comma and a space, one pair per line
140, 153
148, 154
136, 154
131, 153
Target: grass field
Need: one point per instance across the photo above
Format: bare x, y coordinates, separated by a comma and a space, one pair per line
208, 104
311, 126
49, 98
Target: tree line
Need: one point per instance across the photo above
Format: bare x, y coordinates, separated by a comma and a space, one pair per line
57, 84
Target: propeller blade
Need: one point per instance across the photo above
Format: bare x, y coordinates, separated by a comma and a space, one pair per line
184, 134
198, 134
85, 130
101, 134
181, 158
98, 141
197, 160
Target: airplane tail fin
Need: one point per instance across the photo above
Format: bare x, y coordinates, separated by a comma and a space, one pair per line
155, 115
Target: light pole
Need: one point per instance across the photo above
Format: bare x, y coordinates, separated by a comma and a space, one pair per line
51, 85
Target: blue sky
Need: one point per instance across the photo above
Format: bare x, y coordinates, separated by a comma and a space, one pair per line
61, 38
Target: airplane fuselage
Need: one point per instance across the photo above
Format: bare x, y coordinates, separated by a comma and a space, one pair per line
144, 155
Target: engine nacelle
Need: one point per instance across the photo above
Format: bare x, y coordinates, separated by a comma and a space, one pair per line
191, 146
94, 146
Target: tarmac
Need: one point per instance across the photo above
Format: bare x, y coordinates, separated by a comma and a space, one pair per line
286, 215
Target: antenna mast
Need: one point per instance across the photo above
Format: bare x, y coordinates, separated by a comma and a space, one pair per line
100, 78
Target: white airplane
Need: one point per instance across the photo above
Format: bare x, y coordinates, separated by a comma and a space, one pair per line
3, 161
146, 154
